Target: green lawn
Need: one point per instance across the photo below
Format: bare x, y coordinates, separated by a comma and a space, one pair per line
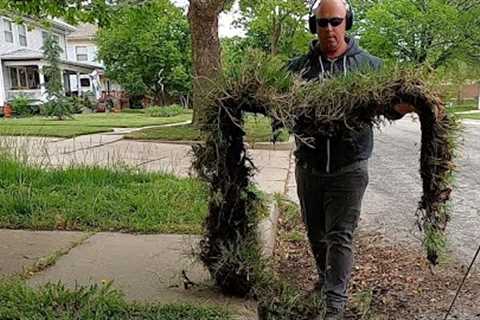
469, 106
473, 116
258, 129
91, 198
53, 301
83, 124
60, 131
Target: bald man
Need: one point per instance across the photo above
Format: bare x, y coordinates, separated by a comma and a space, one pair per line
333, 175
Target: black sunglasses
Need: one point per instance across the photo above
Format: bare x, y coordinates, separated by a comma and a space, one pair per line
334, 22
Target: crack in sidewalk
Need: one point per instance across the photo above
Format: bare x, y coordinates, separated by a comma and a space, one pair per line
45, 262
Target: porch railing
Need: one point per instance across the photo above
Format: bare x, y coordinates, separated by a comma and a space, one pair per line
34, 94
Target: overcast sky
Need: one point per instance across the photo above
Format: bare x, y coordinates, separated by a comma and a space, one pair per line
225, 28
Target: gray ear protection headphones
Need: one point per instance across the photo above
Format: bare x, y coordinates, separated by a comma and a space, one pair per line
312, 20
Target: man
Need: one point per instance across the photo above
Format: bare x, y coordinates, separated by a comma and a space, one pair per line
332, 177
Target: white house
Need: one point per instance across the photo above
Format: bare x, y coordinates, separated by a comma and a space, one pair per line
82, 48
22, 59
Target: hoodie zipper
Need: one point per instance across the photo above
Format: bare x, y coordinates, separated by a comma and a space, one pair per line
327, 169
321, 77
332, 62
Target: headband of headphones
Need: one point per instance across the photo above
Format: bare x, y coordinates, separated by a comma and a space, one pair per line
312, 20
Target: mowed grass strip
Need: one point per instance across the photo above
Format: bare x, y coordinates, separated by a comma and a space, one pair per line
58, 131
99, 199
83, 124
472, 116
53, 301
176, 133
468, 106
257, 128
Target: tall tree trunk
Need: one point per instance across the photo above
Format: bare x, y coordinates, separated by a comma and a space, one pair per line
276, 32
203, 19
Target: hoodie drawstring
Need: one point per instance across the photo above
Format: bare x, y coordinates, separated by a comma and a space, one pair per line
321, 76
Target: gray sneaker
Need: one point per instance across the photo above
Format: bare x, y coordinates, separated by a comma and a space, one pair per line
333, 314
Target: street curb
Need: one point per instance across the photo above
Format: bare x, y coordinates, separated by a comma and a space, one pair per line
279, 146
267, 229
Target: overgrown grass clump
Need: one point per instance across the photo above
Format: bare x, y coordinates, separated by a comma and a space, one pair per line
54, 301
93, 198
309, 110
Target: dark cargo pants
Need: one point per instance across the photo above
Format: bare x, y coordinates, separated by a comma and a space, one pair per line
331, 206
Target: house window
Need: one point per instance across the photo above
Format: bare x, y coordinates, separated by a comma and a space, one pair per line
24, 78
82, 54
45, 36
55, 37
85, 82
8, 30
22, 35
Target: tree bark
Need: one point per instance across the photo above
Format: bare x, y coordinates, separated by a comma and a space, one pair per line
203, 19
276, 33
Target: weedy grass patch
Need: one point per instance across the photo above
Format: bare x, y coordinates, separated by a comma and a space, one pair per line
54, 301
94, 198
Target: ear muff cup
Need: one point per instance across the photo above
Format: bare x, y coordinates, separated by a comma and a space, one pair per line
312, 22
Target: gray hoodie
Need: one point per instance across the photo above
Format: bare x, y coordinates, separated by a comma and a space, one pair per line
340, 149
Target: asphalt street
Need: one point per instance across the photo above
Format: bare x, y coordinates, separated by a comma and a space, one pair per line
395, 187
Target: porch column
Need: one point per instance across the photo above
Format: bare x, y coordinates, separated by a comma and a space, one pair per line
3, 86
62, 71
43, 85
78, 84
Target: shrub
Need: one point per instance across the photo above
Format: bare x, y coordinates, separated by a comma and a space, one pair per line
60, 108
166, 111
77, 105
83, 102
22, 107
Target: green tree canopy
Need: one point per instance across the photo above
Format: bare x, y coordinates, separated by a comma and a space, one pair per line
95, 11
276, 26
434, 32
146, 49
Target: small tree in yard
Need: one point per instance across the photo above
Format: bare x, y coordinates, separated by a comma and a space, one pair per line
57, 105
146, 49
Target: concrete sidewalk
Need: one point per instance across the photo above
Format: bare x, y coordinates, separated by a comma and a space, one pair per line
110, 150
146, 268
151, 268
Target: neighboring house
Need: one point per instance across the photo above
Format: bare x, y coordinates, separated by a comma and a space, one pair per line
470, 91
81, 47
22, 59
